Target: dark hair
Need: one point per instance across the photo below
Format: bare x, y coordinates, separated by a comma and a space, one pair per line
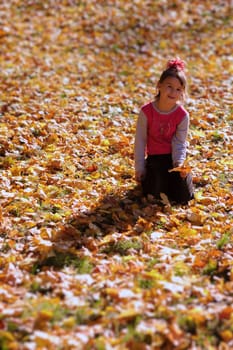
175, 69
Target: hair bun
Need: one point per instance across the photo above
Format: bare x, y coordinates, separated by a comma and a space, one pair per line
177, 63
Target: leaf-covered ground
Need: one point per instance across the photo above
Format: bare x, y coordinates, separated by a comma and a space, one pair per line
86, 263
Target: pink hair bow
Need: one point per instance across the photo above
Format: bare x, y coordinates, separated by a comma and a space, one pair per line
177, 63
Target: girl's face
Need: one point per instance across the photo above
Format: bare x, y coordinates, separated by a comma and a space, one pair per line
170, 90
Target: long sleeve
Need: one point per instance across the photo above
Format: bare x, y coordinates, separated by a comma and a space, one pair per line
140, 143
179, 142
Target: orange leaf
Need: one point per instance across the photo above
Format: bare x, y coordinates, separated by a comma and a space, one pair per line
184, 169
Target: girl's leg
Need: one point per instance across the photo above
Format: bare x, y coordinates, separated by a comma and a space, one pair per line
180, 190
156, 179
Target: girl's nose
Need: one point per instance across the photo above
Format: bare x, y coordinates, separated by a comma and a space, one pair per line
173, 92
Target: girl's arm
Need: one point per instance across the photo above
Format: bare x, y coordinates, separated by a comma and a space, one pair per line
179, 142
140, 146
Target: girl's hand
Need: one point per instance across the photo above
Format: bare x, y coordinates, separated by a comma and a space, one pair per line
183, 174
139, 176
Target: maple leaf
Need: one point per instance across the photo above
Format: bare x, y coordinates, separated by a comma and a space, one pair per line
184, 170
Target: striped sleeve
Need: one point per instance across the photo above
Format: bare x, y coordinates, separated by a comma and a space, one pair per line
140, 143
179, 143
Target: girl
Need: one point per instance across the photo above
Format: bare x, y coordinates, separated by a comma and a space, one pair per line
161, 131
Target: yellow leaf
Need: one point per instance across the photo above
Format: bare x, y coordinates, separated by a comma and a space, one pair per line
105, 142
187, 231
128, 314
163, 44
226, 335
69, 322
113, 292
154, 274
6, 335
45, 315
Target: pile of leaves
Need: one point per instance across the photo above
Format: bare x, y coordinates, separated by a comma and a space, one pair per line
86, 262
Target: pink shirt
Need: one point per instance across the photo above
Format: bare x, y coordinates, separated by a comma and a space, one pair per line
160, 133
161, 128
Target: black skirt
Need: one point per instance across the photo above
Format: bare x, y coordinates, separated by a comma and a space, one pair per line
158, 180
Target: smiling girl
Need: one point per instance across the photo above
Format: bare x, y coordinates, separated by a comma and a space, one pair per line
161, 133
